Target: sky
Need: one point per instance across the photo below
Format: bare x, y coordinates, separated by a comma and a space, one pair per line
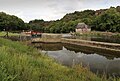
51, 9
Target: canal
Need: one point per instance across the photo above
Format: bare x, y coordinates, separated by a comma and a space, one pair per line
97, 60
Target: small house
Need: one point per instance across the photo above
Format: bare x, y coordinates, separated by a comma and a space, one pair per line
82, 28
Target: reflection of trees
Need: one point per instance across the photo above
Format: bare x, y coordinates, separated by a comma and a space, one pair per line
106, 39
102, 63
77, 48
89, 50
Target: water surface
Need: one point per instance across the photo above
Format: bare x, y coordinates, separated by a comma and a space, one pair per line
98, 61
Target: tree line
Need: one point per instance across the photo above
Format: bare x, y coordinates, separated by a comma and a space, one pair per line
99, 20
11, 22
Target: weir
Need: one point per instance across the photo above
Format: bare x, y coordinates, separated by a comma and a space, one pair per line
48, 38
58, 38
100, 46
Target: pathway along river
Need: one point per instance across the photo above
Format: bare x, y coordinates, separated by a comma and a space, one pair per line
98, 62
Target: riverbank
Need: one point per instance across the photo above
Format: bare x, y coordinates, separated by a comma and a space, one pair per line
19, 62
102, 46
10, 34
98, 34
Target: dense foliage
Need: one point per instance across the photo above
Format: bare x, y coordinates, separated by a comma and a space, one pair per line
38, 25
100, 20
66, 24
11, 22
107, 21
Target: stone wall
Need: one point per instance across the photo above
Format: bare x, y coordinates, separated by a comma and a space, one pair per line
49, 38
93, 44
83, 30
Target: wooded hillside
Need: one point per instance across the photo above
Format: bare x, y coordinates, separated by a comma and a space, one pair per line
99, 20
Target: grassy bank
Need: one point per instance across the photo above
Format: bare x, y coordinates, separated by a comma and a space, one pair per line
10, 34
19, 62
99, 34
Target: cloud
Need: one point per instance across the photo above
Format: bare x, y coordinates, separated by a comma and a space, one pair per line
51, 9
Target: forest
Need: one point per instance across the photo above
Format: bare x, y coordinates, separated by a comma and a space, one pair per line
99, 20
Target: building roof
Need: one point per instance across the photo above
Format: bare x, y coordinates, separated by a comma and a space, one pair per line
81, 25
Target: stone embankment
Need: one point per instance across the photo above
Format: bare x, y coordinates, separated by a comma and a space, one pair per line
48, 38
100, 46
111, 47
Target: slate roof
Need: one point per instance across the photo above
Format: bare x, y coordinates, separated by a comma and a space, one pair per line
81, 26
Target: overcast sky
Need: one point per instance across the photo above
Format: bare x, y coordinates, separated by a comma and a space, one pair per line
51, 9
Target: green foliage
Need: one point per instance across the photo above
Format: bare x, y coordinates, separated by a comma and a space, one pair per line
65, 25
10, 22
10, 34
38, 25
118, 8
78, 15
19, 62
100, 20
107, 21
62, 27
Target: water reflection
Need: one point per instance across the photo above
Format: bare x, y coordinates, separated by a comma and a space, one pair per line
98, 61
48, 47
99, 39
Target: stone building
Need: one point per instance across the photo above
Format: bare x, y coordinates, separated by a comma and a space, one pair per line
82, 28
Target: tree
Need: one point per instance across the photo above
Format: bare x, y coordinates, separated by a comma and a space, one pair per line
118, 8
107, 21
10, 23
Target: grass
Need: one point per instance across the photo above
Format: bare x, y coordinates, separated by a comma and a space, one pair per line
10, 34
19, 62
98, 34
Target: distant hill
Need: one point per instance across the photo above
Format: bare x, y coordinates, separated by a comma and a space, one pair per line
100, 20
